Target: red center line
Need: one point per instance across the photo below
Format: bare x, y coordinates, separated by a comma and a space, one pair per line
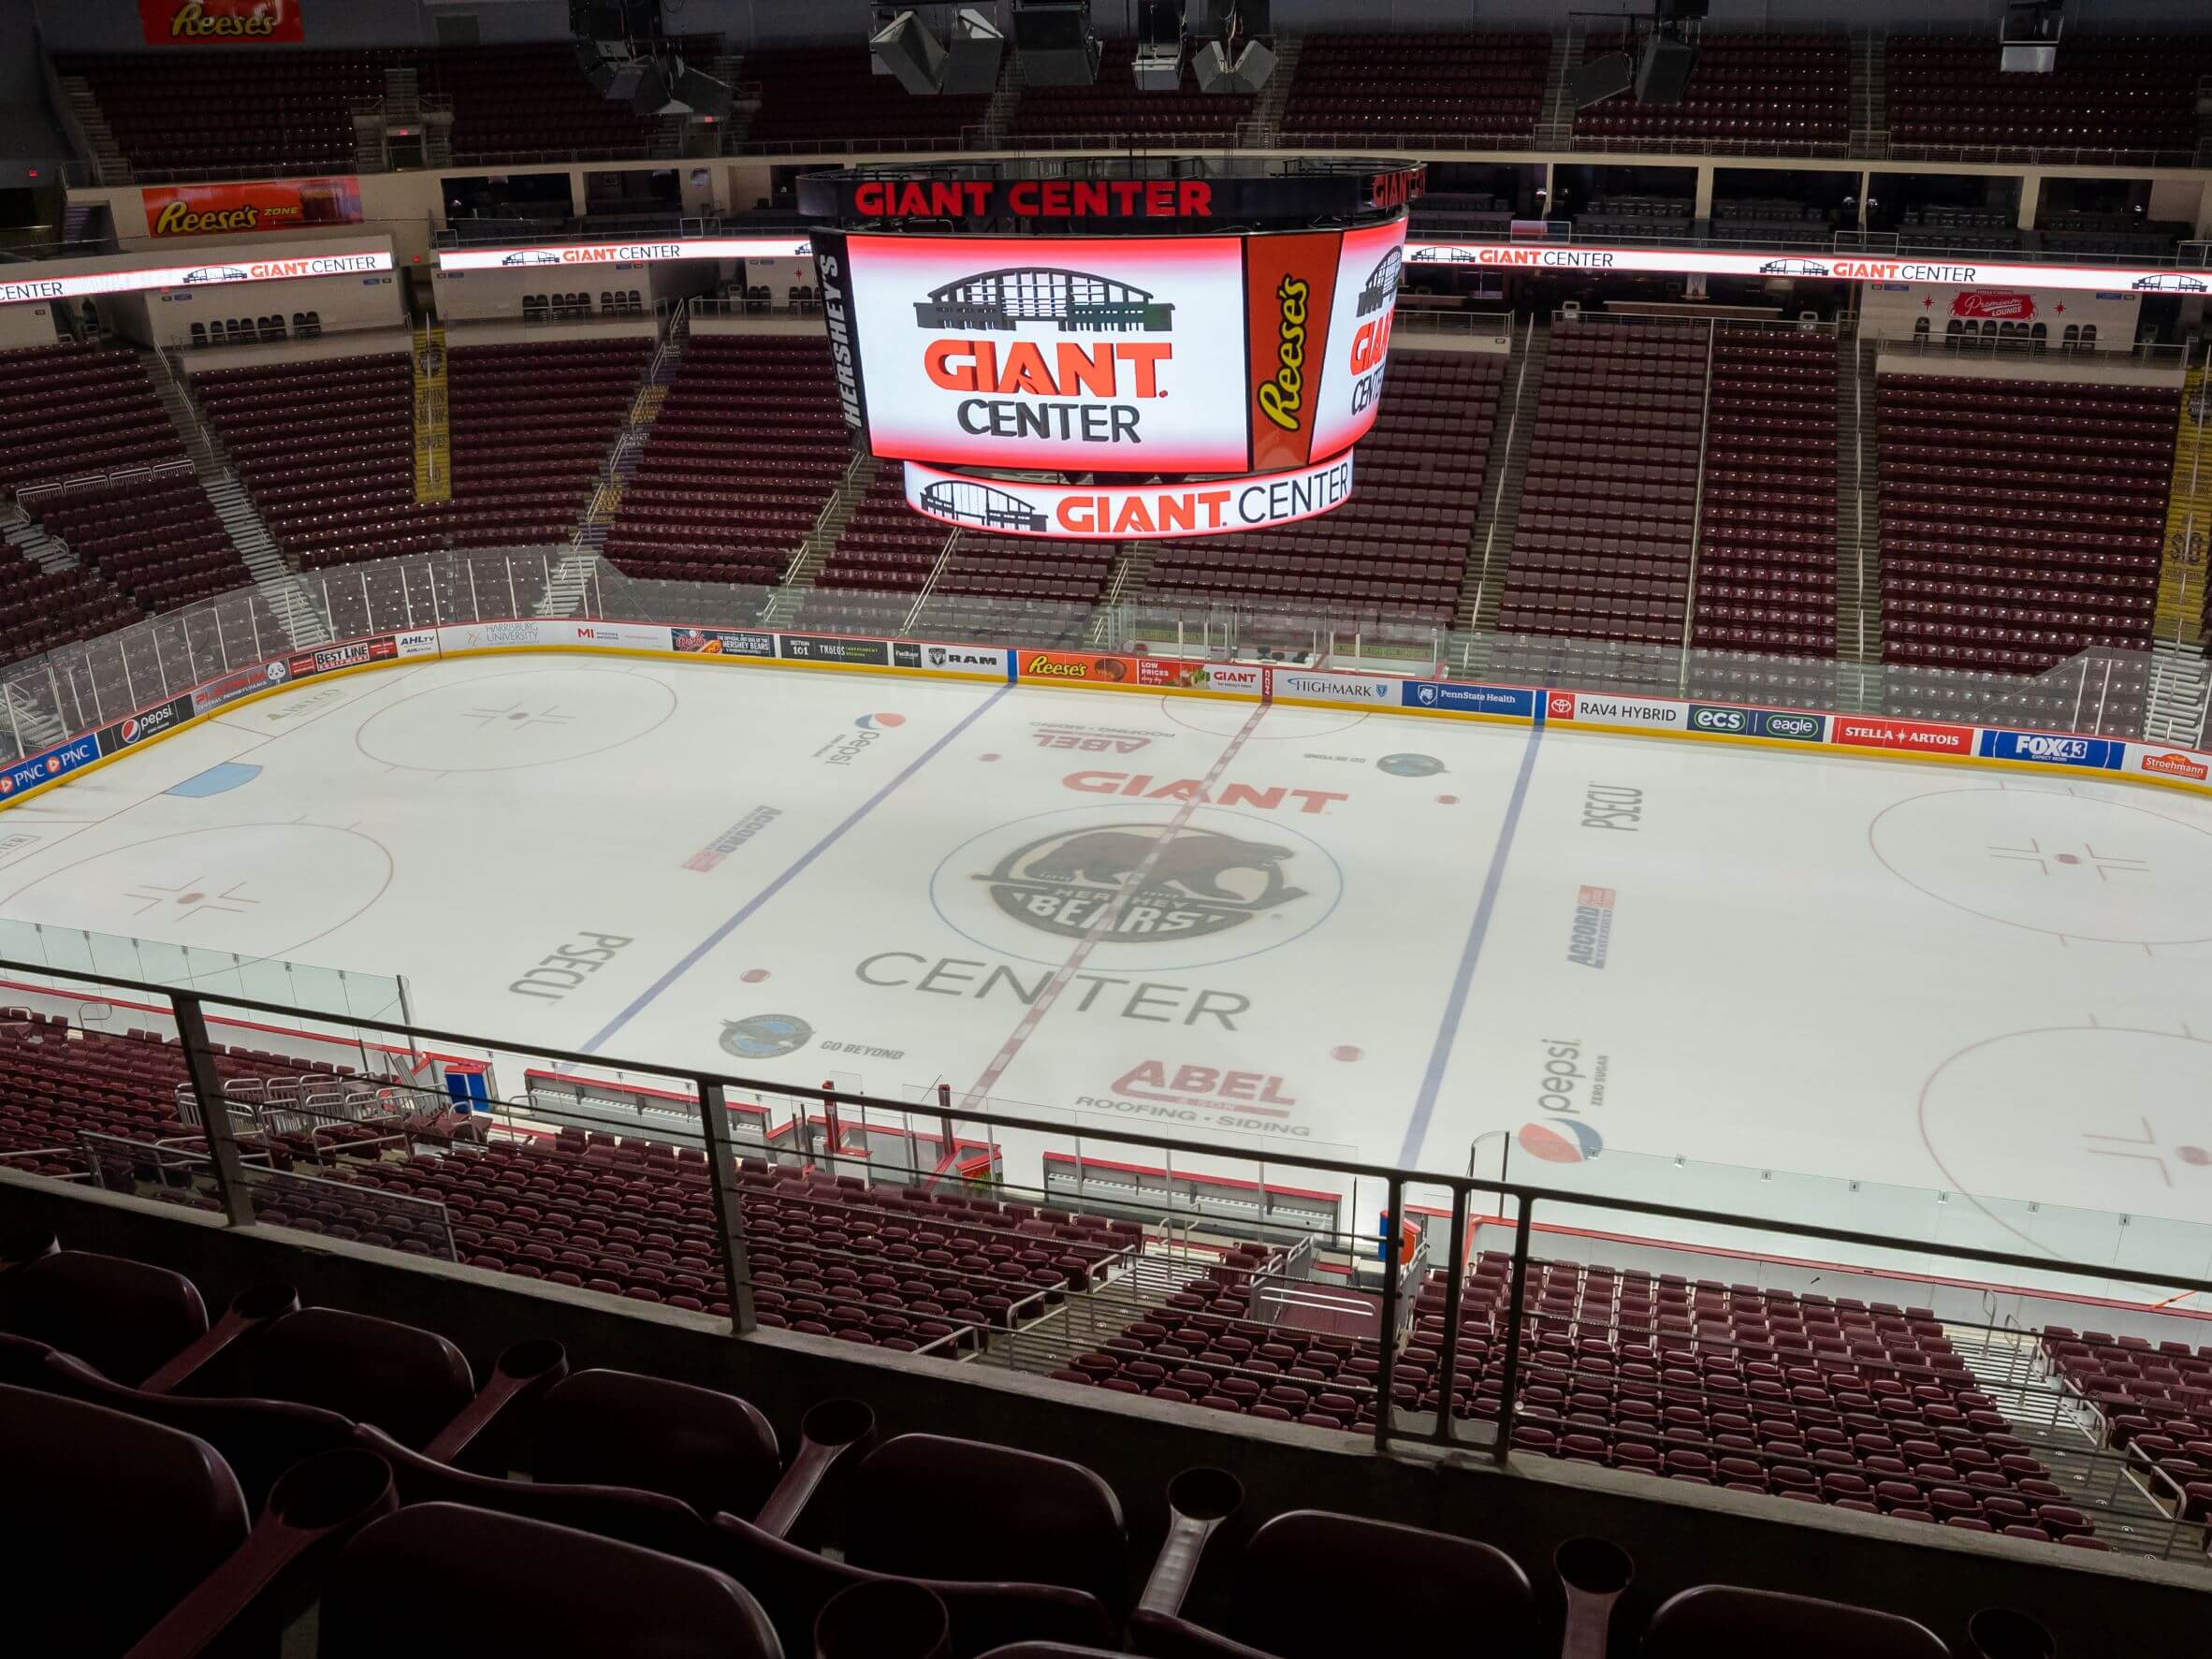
1034, 1016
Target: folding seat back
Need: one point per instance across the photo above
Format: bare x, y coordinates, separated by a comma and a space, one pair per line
1722, 1622
441, 1579
408, 1381
85, 1485
708, 1449
122, 1318
925, 1505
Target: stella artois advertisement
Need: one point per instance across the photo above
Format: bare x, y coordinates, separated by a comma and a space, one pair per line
254, 209
1149, 355
221, 23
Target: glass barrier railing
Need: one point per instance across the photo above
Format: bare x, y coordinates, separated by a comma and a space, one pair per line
79, 688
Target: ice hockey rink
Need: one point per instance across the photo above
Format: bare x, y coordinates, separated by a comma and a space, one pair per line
1373, 935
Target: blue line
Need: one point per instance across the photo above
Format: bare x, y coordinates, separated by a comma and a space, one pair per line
1417, 1129
752, 905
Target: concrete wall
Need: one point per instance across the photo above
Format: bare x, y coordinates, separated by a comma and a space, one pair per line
1679, 1535
26, 325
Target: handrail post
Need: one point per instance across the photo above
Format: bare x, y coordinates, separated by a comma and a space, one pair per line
1454, 1284
1515, 1307
214, 1114
1385, 1378
729, 1202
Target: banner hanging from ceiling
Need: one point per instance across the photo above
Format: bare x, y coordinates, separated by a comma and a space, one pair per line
221, 23
253, 209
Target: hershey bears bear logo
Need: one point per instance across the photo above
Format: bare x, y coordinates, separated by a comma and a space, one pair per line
1158, 883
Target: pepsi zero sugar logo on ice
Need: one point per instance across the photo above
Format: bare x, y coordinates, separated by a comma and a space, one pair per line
1184, 885
1569, 1087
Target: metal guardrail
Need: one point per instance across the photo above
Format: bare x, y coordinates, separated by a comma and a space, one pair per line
1461, 1203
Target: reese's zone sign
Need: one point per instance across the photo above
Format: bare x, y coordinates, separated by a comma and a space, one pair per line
1110, 513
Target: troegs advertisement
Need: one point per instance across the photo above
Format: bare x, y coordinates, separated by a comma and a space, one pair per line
1124, 354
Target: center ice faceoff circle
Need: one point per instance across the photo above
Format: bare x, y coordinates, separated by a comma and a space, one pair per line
2060, 863
1152, 890
532, 717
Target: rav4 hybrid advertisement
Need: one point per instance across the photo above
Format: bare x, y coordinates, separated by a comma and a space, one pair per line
1203, 353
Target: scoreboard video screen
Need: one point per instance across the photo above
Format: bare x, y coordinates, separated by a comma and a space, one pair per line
1143, 355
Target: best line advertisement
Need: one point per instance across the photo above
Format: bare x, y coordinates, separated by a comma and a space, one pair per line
1113, 512
1121, 354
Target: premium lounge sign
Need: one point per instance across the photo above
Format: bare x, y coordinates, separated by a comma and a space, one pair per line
221, 268
1568, 257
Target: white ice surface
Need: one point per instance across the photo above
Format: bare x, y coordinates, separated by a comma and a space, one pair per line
1945, 979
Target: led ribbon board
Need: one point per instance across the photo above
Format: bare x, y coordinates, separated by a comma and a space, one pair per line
217, 271
1129, 512
1960, 271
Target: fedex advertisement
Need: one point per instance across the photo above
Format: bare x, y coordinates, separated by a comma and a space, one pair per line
1121, 355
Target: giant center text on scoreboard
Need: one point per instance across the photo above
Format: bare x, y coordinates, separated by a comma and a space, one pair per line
1121, 343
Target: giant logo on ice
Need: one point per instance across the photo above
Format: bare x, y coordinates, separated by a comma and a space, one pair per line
1153, 889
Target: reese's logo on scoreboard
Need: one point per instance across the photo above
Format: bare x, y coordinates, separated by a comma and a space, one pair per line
1291, 280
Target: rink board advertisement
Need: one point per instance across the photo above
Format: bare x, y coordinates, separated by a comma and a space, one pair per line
1879, 737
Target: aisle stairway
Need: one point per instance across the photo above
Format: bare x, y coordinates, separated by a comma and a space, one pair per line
2054, 1423
1858, 511
2189, 518
572, 577
853, 489
434, 441
241, 521
1498, 515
